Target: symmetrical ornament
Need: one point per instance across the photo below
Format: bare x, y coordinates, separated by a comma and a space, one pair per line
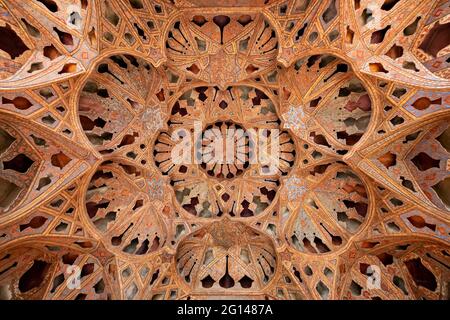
117, 180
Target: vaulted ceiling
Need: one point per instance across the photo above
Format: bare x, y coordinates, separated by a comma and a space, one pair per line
92, 206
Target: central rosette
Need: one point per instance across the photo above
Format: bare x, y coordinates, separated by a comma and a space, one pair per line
224, 152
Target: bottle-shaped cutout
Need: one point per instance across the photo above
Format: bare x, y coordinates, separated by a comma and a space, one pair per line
226, 281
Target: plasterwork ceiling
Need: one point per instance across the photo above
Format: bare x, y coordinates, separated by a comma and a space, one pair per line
92, 91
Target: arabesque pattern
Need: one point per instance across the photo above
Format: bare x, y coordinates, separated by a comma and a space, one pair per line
93, 94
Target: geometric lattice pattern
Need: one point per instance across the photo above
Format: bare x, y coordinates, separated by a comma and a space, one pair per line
93, 207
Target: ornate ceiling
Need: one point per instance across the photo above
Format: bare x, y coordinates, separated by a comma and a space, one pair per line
92, 206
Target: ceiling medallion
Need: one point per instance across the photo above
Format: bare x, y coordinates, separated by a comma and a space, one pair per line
243, 149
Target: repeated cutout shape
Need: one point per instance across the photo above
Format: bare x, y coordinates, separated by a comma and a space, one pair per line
242, 45
207, 188
226, 256
48, 41
129, 227
91, 92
